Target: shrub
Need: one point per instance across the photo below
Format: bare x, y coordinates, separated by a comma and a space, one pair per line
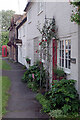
56, 113
64, 96
38, 73
59, 72
24, 67
32, 85
46, 107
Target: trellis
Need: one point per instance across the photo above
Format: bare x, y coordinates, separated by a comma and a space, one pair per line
49, 33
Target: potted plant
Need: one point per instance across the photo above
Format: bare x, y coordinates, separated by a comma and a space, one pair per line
59, 73
28, 60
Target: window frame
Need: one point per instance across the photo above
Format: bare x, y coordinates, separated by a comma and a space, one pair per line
40, 7
29, 16
64, 49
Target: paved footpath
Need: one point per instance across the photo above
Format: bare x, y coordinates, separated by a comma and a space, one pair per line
22, 102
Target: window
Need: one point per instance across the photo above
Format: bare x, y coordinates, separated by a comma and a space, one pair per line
23, 30
29, 16
65, 53
40, 7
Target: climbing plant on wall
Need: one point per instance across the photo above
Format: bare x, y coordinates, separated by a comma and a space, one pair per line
48, 33
76, 11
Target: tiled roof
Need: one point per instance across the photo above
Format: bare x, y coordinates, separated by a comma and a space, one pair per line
21, 20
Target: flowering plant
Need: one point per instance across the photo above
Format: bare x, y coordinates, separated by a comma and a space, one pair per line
76, 12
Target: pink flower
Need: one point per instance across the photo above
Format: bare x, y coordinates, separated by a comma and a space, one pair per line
33, 76
46, 40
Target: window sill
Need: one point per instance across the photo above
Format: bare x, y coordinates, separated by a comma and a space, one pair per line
40, 13
29, 22
67, 71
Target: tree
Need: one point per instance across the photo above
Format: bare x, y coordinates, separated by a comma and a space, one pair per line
5, 19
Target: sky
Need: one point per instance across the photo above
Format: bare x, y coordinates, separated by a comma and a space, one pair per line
16, 5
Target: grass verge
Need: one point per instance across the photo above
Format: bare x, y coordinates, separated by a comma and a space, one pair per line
4, 65
5, 95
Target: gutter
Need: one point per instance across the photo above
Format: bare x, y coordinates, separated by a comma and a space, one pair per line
29, 1
21, 23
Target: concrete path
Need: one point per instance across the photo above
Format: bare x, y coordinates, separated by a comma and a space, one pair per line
22, 102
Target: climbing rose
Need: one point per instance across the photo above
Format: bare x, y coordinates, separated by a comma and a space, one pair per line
53, 30
40, 43
36, 51
42, 40
40, 62
45, 40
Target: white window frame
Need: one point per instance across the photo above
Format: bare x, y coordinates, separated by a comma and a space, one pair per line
23, 30
66, 69
29, 16
40, 7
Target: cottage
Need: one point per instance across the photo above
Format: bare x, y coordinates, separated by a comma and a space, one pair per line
12, 38
21, 41
68, 56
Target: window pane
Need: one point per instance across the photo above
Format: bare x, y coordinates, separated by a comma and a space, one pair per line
62, 53
69, 63
66, 53
66, 44
66, 63
69, 42
62, 62
69, 54
60, 44
63, 44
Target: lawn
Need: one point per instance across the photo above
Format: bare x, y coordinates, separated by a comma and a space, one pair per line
4, 87
4, 65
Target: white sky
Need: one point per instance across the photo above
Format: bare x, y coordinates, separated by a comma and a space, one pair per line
17, 5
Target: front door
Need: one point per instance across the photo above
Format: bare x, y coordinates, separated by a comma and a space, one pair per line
54, 56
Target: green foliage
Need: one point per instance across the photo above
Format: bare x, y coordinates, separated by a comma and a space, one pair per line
48, 31
76, 12
56, 113
5, 95
24, 67
33, 86
59, 72
28, 60
46, 107
4, 65
64, 96
5, 38
6, 19
35, 69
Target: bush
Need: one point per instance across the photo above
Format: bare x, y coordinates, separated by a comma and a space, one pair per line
32, 85
59, 72
38, 73
56, 113
64, 96
46, 107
